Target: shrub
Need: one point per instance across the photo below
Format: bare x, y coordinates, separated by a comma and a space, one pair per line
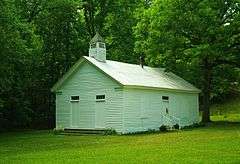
151, 131
176, 126
195, 125
163, 128
110, 131
57, 131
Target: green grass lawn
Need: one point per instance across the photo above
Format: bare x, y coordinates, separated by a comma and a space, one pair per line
216, 143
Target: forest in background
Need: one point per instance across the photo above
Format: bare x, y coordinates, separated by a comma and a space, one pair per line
40, 40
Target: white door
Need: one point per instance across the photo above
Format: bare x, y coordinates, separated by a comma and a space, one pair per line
100, 111
75, 114
100, 115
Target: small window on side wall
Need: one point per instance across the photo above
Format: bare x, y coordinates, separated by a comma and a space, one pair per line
74, 98
165, 98
100, 98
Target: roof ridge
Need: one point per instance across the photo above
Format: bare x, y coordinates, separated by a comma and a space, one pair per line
129, 63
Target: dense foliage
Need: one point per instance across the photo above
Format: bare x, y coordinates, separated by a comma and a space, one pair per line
40, 40
197, 39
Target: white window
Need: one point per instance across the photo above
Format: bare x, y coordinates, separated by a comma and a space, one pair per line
74, 98
100, 98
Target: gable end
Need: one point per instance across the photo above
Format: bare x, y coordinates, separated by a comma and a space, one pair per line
73, 69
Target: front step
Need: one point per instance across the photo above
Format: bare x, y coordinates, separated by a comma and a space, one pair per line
83, 131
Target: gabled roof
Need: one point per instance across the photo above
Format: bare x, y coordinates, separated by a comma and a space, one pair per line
132, 75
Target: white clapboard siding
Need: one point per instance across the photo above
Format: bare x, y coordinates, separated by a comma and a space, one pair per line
86, 82
143, 109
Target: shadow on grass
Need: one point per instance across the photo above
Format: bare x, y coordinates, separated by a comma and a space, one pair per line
222, 123
219, 125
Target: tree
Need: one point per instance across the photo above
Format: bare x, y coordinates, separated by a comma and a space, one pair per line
115, 21
60, 24
56, 34
19, 44
198, 37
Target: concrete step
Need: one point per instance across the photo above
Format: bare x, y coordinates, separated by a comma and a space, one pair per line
76, 134
84, 131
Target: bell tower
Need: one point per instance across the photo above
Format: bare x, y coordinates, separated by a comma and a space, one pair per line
97, 49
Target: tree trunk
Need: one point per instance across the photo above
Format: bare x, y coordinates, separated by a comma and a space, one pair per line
207, 77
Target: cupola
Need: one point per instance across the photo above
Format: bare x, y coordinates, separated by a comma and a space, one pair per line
97, 49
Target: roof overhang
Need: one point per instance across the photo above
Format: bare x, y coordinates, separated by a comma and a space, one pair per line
197, 91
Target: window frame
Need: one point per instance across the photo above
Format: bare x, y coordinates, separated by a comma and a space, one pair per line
97, 99
74, 100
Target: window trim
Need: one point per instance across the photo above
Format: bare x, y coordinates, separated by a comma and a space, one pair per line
76, 100
100, 99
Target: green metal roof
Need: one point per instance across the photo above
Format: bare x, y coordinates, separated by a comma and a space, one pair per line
132, 75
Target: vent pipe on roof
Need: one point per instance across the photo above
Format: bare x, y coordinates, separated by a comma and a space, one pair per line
141, 61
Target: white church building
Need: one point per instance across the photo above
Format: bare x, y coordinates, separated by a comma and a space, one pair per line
101, 94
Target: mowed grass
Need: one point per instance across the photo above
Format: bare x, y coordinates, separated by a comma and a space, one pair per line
218, 142
215, 143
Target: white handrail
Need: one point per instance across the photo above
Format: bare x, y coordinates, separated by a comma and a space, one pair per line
178, 120
168, 119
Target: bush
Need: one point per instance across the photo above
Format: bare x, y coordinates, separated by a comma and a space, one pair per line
195, 125
163, 128
151, 131
176, 126
110, 131
57, 131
